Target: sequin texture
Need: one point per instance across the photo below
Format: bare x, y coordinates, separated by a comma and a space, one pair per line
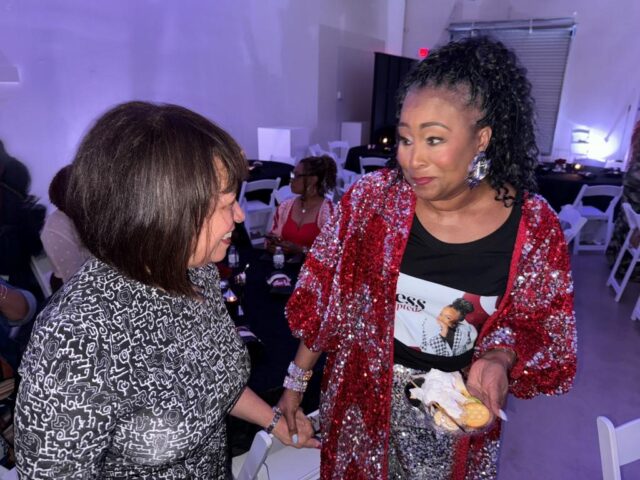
344, 304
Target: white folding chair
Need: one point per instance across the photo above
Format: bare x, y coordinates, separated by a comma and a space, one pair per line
571, 222
633, 220
316, 150
248, 465
635, 313
596, 217
371, 162
42, 270
269, 459
284, 193
618, 446
258, 214
339, 149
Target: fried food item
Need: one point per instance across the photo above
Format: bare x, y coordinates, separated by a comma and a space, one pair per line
475, 414
452, 406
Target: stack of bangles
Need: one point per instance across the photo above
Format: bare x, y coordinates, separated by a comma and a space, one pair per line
297, 378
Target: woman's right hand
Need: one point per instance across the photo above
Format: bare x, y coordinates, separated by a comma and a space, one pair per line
290, 404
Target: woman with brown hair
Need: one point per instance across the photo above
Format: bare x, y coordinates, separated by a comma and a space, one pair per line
134, 364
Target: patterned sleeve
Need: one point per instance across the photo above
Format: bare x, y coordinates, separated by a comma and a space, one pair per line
538, 323
67, 403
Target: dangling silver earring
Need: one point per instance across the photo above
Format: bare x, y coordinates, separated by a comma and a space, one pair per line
478, 169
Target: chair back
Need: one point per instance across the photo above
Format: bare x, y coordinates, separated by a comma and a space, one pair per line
371, 163
613, 191
629, 247
633, 218
269, 184
571, 222
599, 218
340, 149
316, 150
42, 270
253, 461
258, 214
618, 446
268, 458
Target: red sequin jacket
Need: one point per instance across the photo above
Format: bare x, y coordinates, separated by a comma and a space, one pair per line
344, 305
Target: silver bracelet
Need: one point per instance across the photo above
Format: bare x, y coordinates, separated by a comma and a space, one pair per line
298, 373
295, 384
277, 414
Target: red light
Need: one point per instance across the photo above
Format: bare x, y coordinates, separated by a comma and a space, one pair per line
423, 52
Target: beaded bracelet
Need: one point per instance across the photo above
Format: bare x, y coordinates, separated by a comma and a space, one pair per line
277, 414
295, 384
298, 373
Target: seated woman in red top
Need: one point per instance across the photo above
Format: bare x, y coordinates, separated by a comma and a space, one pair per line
298, 220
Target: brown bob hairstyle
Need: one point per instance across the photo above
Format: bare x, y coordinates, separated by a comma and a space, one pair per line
143, 182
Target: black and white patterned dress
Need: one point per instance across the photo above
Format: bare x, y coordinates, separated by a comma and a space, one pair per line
121, 380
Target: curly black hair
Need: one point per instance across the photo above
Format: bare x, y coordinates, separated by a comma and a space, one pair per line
463, 306
323, 167
496, 84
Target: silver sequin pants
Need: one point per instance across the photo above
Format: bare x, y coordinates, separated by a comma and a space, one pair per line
417, 451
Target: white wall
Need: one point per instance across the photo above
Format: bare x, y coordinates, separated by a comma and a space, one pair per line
242, 63
603, 71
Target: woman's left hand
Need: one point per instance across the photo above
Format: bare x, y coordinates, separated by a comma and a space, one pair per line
305, 432
488, 378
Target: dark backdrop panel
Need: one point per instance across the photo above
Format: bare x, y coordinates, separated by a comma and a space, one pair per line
389, 71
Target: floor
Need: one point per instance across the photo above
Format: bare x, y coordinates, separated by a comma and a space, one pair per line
555, 438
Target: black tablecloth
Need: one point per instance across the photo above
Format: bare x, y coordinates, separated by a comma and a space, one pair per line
264, 315
268, 169
562, 188
353, 156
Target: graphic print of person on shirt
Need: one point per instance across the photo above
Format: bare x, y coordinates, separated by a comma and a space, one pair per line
456, 335
422, 309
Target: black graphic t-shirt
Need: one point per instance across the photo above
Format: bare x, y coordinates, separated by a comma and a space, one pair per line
445, 293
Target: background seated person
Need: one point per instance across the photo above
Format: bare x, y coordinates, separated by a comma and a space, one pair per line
59, 236
17, 307
21, 219
298, 220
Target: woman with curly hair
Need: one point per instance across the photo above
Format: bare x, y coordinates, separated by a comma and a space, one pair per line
457, 218
630, 194
298, 220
